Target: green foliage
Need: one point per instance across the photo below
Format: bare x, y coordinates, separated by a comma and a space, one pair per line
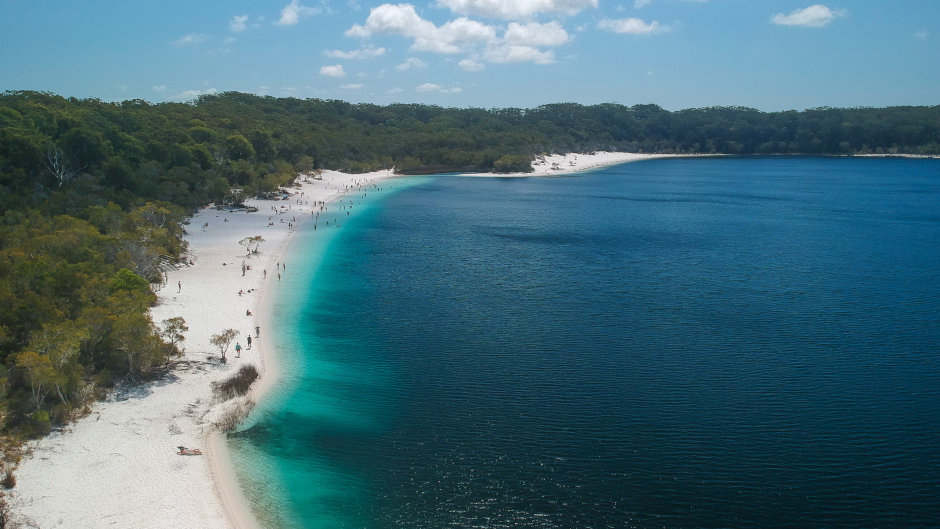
173, 329
92, 196
124, 279
513, 164
40, 424
239, 148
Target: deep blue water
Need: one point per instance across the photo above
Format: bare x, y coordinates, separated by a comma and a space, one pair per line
688, 343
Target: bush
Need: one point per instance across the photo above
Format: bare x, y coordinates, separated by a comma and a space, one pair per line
234, 415
236, 385
59, 414
513, 164
124, 279
8, 481
104, 379
41, 424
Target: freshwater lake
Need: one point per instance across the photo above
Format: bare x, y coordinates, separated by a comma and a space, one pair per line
677, 343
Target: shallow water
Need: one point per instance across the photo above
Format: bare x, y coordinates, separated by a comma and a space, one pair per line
747, 342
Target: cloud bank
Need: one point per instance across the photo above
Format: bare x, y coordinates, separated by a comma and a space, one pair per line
632, 26
335, 70
815, 16
519, 42
516, 9
293, 12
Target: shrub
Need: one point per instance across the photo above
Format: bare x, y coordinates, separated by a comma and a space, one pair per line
41, 424
104, 378
236, 385
234, 415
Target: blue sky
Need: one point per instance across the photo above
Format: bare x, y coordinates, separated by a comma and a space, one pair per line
767, 54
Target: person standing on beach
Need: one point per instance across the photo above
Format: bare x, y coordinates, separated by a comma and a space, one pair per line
179, 287
238, 350
249, 341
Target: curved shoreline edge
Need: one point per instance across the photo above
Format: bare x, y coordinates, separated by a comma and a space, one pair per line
222, 464
119, 463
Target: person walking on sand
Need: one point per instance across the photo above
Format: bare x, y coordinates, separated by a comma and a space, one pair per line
179, 287
249, 342
238, 350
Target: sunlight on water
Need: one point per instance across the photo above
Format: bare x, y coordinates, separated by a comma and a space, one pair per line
745, 342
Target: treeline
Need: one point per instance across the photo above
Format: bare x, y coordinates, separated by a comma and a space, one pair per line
93, 195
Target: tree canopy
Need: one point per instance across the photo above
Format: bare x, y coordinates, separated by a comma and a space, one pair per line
93, 195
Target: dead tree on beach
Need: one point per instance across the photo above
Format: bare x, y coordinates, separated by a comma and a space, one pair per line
223, 340
252, 243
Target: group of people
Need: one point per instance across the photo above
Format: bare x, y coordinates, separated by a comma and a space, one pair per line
238, 345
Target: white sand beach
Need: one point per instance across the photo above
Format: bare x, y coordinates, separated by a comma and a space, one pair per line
562, 164
119, 465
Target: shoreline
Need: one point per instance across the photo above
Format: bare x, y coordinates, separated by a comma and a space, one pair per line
120, 461
565, 164
222, 465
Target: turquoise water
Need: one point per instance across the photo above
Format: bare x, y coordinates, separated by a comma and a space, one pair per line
747, 342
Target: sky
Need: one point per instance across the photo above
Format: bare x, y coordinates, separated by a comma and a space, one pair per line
766, 54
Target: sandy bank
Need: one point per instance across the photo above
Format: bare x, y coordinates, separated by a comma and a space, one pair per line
118, 466
561, 164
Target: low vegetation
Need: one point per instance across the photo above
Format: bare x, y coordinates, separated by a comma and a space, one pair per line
237, 385
93, 198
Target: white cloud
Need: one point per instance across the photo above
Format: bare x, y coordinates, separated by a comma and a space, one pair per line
403, 20
388, 19
335, 70
354, 86
520, 41
238, 23
293, 12
535, 34
815, 16
160, 88
640, 4
431, 87
471, 65
516, 9
189, 95
412, 63
504, 53
191, 39
362, 53
632, 26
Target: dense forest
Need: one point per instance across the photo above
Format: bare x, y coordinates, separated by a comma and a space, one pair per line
93, 195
